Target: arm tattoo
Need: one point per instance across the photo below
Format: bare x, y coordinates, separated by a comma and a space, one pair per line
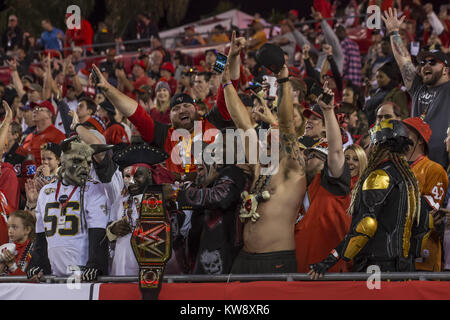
291, 148
408, 73
399, 48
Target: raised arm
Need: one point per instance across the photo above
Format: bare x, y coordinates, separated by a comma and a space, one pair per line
5, 126
234, 104
17, 83
336, 158
288, 137
122, 102
401, 54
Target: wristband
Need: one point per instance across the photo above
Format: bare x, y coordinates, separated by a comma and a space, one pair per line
226, 84
393, 33
283, 80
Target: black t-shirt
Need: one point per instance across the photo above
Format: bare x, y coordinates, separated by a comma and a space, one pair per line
434, 103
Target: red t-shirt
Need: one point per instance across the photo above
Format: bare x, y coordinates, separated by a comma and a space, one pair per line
34, 141
9, 184
326, 222
4, 213
116, 134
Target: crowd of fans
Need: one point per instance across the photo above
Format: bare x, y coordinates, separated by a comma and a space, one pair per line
51, 97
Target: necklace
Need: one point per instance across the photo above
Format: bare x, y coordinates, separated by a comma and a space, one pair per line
251, 201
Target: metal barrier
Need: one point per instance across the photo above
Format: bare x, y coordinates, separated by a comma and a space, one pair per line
350, 276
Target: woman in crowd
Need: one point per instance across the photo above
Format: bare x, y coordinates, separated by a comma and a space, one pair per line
356, 160
161, 110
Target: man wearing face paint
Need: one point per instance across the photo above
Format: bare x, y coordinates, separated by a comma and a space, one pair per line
139, 171
71, 218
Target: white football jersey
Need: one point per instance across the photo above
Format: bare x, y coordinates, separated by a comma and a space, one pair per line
67, 244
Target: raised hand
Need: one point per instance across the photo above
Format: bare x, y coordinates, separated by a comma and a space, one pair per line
9, 113
391, 20
316, 14
236, 45
324, 106
75, 119
102, 83
31, 191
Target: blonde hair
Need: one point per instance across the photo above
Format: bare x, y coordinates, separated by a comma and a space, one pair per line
361, 155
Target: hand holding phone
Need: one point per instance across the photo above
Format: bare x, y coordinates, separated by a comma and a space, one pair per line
221, 61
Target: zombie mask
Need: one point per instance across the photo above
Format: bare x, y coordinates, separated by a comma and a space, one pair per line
136, 178
76, 163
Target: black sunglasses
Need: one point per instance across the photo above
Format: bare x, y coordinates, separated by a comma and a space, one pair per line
432, 62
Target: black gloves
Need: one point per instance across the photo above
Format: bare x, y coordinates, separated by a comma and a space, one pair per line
324, 265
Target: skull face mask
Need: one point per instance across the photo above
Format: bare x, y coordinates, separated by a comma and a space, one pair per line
76, 164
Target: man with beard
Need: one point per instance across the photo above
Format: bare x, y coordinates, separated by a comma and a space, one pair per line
215, 234
389, 219
327, 199
428, 86
183, 114
137, 162
71, 217
270, 209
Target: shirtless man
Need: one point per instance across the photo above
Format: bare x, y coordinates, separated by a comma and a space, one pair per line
269, 245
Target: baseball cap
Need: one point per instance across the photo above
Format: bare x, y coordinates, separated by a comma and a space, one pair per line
294, 12
47, 104
321, 147
139, 63
181, 98
314, 110
421, 127
271, 56
168, 66
437, 54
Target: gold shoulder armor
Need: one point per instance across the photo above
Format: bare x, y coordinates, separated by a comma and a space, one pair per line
378, 179
367, 226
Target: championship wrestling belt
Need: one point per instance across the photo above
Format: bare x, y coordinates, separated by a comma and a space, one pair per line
151, 242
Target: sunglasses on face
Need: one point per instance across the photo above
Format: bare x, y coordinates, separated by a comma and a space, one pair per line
431, 62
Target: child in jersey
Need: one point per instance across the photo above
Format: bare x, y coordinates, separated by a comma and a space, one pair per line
21, 233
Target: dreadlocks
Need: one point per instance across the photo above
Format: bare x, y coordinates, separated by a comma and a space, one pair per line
378, 154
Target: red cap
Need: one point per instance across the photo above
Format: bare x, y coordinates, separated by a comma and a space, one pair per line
139, 63
47, 104
420, 126
294, 12
168, 66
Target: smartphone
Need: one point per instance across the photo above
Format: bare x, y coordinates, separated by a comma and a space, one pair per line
221, 61
317, 91
95, 78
